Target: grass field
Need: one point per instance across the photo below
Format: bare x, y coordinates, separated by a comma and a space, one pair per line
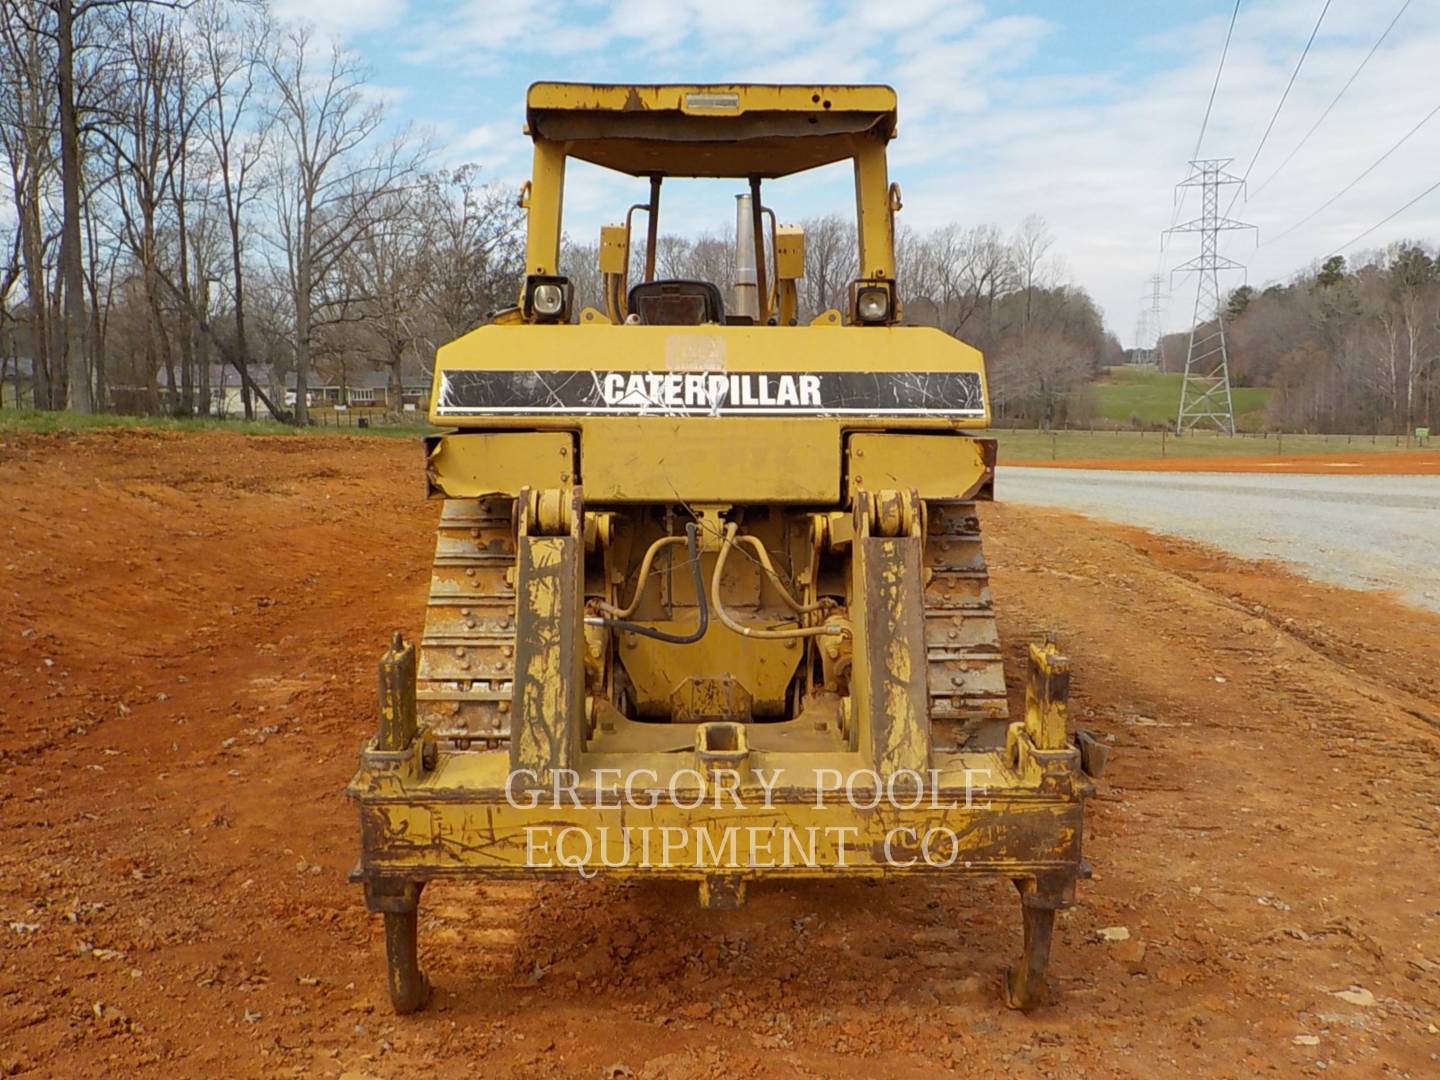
1125, 394
44, 422
1020, 446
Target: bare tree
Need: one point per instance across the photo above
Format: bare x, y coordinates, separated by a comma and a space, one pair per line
1039, 375
832, 260
231, 45
475, 251
1028, 250
27, 108
581, 264
673, 256
961, 270
327, 192
148, 132
387, 267
73, 28
8, 278
74, 343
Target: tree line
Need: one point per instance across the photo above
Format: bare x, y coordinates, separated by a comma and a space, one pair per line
1346, 348
1043, 337
196, 185
198, 188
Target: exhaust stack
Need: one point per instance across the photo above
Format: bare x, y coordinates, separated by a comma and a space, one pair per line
746, 298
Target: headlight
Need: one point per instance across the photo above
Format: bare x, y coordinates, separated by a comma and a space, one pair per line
872, 305
548, 299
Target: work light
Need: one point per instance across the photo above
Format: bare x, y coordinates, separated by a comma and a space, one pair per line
547, 299
873, 302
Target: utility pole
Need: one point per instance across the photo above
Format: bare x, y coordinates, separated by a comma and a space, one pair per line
1205, 393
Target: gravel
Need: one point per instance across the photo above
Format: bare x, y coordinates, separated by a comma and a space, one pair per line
1369, 532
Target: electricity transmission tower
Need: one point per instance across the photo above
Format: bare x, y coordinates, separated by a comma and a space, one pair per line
1149, 325
1142, 353
1157, 317
1205, 393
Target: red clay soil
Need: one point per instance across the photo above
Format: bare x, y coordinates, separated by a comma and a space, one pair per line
188, 631
1370, 463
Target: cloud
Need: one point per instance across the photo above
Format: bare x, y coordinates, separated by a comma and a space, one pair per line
340, 18
1070, 114
390, 96
1101, 168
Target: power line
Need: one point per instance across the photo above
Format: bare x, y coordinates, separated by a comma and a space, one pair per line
1216, 85
1204, 123
1279, 105
1385, 220
1348, 82
1373, 166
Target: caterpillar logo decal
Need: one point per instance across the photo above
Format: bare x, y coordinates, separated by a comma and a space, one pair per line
675, 393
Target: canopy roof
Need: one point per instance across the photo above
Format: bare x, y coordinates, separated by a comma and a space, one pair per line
717, 131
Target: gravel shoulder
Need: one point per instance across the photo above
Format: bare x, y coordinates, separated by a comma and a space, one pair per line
1367, 532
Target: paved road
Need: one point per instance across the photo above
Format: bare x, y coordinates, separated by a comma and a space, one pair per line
1372, 532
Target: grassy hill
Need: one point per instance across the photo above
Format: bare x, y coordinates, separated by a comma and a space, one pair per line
1154, 398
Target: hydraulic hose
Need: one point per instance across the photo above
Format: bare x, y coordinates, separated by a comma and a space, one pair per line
644, 574
763, 556
692, 544
830, 630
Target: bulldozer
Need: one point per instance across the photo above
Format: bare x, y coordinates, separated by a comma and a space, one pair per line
708, 600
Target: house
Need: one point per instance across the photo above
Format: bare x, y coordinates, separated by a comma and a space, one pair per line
226, 393
363, 390
226, 397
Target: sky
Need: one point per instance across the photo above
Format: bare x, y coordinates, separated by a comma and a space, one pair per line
1085, 113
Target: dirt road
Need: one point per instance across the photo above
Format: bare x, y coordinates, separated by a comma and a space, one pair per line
188, 626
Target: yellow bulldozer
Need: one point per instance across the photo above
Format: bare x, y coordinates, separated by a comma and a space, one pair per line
708, 600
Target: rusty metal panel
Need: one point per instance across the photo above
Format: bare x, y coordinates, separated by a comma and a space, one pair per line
936, 466
466, 466
549, 660
435, 834
1047, 693
658, 669
897, 697
397, 696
